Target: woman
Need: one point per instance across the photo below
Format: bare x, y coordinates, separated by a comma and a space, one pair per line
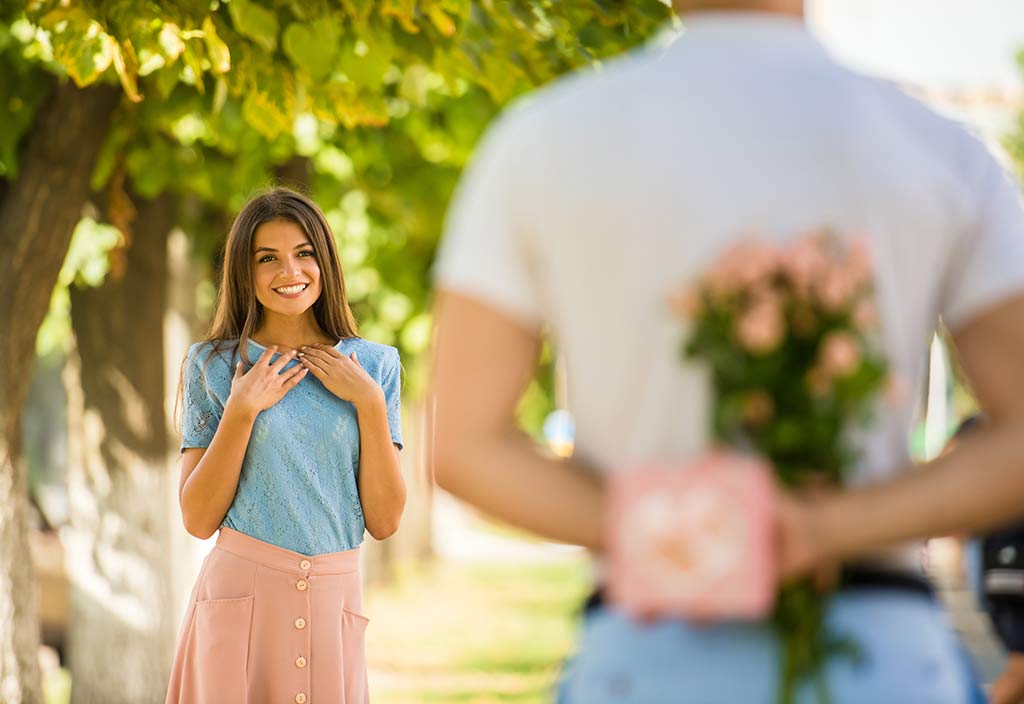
290, 439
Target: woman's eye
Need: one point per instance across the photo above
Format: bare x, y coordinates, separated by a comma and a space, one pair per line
265, 258
308, 252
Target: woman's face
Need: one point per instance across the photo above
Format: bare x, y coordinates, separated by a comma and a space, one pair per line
285, 271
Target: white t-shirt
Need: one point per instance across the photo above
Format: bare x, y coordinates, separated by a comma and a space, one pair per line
592, 201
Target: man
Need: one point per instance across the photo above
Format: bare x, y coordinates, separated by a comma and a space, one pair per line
586, 208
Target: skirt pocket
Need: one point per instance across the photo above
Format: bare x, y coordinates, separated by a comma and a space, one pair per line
221, 642
353, 653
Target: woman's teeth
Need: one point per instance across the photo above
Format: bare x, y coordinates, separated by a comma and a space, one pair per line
291, 290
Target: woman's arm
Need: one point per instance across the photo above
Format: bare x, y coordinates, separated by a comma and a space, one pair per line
381, 486
977, 486
483, 361
209, 476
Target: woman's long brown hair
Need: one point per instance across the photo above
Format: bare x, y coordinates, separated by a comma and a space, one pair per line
238, 313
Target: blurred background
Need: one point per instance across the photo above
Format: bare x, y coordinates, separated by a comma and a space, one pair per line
131, 131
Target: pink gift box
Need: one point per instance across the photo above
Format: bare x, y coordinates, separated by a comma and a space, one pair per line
694, 539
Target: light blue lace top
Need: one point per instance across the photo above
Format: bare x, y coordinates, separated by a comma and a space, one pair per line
297, 487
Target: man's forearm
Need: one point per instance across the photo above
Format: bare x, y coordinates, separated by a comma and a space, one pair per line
978, 486
512, 479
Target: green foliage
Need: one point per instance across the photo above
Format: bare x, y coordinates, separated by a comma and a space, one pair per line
86, 264
387, 99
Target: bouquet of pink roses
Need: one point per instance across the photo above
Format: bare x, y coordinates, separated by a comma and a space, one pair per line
787, 334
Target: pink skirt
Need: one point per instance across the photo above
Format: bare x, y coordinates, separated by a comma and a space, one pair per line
265, 624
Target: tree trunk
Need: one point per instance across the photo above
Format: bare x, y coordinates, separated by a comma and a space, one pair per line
38, 213
120, 543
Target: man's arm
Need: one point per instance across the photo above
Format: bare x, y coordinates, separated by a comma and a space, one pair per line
483, 361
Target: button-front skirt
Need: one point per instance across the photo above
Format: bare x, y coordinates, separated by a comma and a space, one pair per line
265, 624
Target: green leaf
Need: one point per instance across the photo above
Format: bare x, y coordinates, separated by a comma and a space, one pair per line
402, 10
256, 22
271, 106
367, 60
216, 49
127, 67
313, 46
79, 44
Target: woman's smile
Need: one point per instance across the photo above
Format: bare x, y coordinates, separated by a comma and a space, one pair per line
292, 291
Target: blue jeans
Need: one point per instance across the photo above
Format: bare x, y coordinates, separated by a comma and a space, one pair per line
910, 655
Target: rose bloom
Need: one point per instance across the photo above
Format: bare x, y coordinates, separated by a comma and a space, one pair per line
742, 265
840, 354
759, 329
836, 290
806, 262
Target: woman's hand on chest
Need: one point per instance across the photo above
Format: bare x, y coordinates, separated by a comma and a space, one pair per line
340, 374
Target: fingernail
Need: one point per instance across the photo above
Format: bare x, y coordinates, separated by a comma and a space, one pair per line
301, 355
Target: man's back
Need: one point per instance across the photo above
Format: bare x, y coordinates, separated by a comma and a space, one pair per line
609, 192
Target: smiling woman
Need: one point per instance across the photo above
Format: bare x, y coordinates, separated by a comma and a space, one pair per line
292, 455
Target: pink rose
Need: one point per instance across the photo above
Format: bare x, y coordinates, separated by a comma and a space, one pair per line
760, 327
840, 354
836, 290
806, 263
743, 265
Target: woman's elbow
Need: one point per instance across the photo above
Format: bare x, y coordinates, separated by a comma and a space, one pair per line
197, 528
382, 530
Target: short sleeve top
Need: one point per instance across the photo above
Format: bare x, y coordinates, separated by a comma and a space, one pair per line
298, 485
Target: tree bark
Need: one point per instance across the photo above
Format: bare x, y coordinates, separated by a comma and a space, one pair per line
38, 213
120, 543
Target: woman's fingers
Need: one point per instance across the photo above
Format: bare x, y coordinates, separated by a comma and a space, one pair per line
267, 354
282, 361
293, 376
315, 365
331, 351
317, 353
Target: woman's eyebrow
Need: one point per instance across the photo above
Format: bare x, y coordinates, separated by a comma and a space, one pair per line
270, 249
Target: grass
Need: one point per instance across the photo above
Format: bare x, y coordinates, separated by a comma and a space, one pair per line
471, 633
